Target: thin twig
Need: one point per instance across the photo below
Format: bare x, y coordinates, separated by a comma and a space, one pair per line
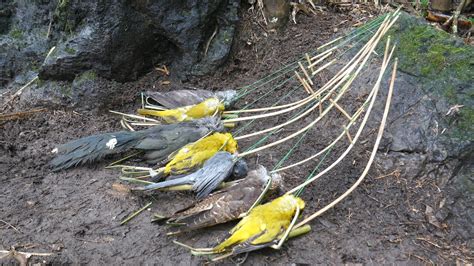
10, 225
135, 214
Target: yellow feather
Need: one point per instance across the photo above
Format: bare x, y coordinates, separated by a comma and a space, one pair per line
195, 154
187, 113
265, 223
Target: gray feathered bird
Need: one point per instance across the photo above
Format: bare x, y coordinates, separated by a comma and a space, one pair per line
179, 98
205, 180
227, 204
157, 142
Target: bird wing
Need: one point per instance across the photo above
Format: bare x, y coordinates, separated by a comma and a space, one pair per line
247, 247
177, 98
93, 148
221, 206
215, 170
162, 144
185, 180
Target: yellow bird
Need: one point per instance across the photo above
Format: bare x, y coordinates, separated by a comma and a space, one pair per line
195, 154
187, 113
263, 226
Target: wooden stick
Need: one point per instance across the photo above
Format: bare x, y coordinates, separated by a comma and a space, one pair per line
341, 135
340, 77
296, 118
340, 109
139, 117
356, 115
301, 81
323, 67
366, 53
329, 43
307, 100
306, 73
371, 159
348, 135
320, 60
348, 149
323, 54
18, 115
309, 61
320, 105
311, 91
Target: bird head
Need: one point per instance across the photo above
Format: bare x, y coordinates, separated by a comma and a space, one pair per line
240, 169
299, 202
228, 97
277, 181
212, 123
230, 144
214, 104
290, 202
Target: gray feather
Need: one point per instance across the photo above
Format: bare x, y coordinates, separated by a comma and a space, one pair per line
180, 98
157, 142
215, 171
206, 179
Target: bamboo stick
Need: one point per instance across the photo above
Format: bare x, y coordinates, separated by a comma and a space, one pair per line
366, 53
309, 61
320, 60
371, 159
302, 82
348, 149
340, 109
306, 73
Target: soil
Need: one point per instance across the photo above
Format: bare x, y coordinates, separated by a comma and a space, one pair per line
75, 214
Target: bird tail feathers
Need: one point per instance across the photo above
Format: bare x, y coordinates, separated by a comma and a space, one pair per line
92, 148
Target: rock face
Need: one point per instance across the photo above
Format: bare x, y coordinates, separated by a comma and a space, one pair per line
119, 40
431, 128
429, 134
23, 39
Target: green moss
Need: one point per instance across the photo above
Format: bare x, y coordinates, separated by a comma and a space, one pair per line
65, 90
16, 34
450, 92
427, 52
61, 15
227, 37
39, 82
70, 50
85, 76
444, 66
466, 120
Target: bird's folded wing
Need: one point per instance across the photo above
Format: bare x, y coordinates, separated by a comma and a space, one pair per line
247, 247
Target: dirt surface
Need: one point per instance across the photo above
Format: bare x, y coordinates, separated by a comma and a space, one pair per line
75, 214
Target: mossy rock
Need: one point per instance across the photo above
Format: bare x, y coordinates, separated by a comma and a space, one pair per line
444, 66
16, 33
90, 75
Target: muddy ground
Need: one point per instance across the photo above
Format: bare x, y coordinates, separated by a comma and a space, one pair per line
75, 214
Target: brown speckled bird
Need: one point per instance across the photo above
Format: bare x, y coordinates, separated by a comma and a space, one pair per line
227, 204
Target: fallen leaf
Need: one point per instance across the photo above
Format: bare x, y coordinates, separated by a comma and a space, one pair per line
120, 188
429, 212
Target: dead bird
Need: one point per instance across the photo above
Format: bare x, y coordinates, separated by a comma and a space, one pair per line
180, 98
226, 204
156, 142
206, 179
